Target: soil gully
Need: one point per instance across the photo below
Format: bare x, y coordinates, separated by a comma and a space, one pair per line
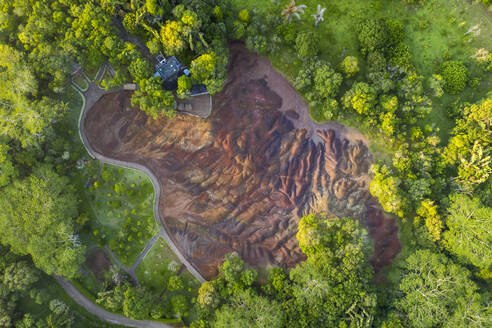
241, 179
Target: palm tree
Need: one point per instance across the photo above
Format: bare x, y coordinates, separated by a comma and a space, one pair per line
318, 17
292, 10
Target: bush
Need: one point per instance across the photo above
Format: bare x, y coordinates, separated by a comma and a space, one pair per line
373, 35
218, 13
436, 84
326, 81
130, 23
361, 97
399, 55
350, 66
244, 16
288, 32
395, 31
239, 30
184, 86
455, 76
307, 44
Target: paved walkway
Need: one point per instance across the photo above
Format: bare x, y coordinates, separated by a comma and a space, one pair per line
129, 272
92, 95
102, 314
144, 253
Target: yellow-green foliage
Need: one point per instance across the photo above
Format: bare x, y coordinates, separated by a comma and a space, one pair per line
455, 76
386, 187
173, 36
203, 67
469, 148
190, 18
361, 98
433, 222
350, 66
208, 295
244, 16
218, 13
184, 85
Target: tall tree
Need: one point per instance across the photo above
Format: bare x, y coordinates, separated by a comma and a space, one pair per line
469, 233
332, 287
436, 292
469, 146
37, 218
249, 310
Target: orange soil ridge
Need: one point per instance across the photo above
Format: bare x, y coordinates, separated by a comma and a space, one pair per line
241, 179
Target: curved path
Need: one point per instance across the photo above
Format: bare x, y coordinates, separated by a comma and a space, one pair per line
102, 314
92, 95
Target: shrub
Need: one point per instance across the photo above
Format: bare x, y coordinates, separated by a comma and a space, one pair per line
307, 44
361, 97
244, 16
373, 35
350, 66
184, 85
376, 61
399, 55
330, 109
455, 76
218, 13
130, 23
395, 31
288, 32
436, 84
239, 29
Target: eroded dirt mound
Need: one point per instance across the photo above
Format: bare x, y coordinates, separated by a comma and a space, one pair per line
241, 179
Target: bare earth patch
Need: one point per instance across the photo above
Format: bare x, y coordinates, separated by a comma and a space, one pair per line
241, 179
99, 263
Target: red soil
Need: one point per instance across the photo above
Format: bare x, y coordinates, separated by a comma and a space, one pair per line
241, 179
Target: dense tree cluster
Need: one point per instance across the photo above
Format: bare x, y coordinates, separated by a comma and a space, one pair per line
331, 289
121, 295
25, 298
440, 188
41, 42
37, 219
455, 76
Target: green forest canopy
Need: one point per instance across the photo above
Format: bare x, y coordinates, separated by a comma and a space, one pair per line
438, 182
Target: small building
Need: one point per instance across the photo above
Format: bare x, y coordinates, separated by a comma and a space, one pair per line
170, 69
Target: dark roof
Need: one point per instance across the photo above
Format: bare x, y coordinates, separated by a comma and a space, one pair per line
198, 89
169, 68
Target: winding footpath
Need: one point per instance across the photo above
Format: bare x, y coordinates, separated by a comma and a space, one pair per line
102, 314
90, 97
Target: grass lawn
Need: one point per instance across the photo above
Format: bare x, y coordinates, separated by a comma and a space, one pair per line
122, 204
117, 203
160, 264
439, 31
435, 32
80, 81
91, 72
